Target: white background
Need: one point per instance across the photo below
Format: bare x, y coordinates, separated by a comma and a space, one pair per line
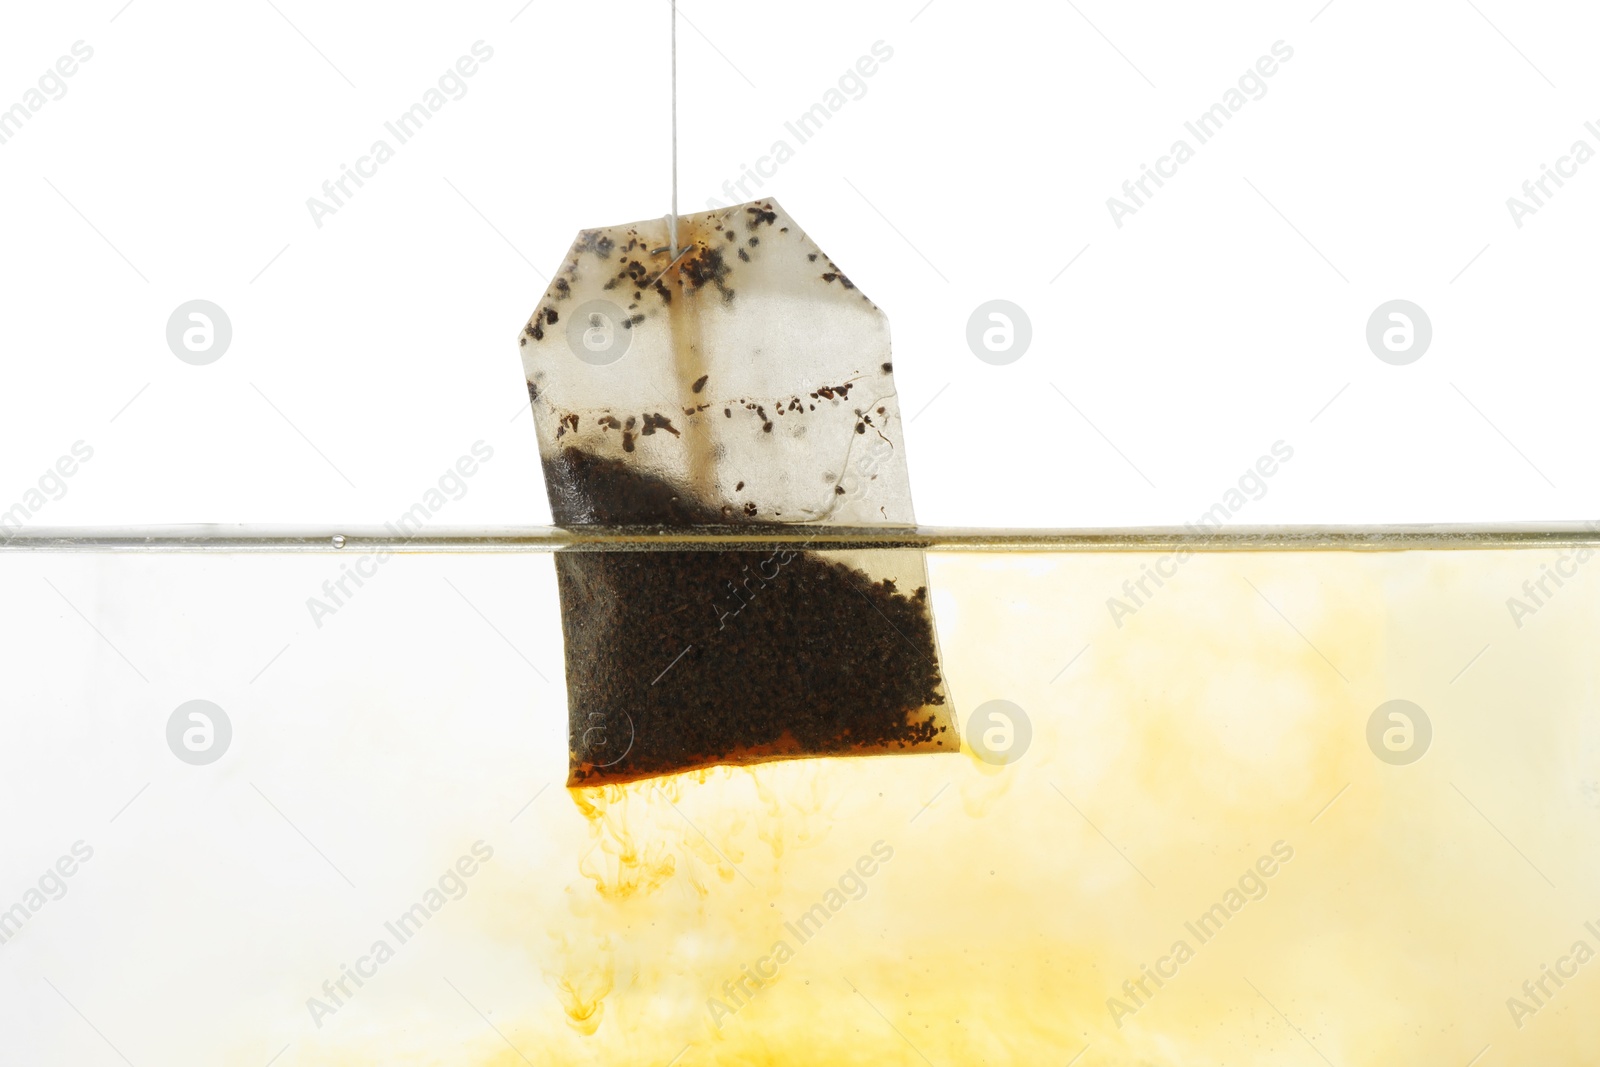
1227, 314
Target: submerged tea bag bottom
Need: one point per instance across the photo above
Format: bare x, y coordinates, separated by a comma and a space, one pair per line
799, 655
743, 383
677, 660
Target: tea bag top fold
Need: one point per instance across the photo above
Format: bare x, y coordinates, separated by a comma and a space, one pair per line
744, 380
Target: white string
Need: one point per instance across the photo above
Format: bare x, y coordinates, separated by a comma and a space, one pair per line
674, 216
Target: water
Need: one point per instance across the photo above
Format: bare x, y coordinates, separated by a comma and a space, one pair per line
1218, 846
390, 538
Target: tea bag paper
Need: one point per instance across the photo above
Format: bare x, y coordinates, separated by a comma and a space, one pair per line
744, 380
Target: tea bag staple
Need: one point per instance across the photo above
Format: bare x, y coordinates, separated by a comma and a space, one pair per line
744, 382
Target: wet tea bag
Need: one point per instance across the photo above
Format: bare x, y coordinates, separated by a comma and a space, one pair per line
741, 380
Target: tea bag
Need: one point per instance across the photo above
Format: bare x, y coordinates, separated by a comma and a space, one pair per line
743, 381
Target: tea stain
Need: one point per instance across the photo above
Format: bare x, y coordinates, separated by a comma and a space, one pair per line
1200, 777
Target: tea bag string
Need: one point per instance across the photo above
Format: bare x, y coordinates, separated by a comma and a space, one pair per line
674, 216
